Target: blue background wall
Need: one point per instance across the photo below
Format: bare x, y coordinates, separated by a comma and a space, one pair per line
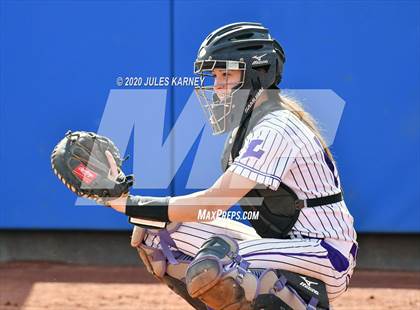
59, 60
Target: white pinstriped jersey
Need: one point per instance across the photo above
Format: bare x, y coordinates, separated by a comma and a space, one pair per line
282, 149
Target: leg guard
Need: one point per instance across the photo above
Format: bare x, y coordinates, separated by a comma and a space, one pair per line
280, 289
269, 302
172, 274
219, 277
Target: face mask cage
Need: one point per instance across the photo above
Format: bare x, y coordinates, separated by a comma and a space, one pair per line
216, 99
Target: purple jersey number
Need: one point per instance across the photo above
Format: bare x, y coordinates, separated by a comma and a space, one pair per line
250, 152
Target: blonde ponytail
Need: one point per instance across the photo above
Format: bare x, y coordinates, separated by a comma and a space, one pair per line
296, 108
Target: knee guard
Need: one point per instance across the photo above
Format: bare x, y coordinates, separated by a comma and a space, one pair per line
172, 274
219, 277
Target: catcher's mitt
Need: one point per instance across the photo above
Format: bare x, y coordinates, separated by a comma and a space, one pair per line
80, 162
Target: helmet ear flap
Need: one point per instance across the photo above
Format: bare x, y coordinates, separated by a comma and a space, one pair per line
267, 74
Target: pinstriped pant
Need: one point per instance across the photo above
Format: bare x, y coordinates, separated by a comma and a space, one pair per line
304, 256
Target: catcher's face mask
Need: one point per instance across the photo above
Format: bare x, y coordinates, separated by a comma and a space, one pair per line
220, 81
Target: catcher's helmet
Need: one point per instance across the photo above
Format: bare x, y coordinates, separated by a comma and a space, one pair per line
240, 46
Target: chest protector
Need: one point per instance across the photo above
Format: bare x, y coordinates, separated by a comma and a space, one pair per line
278, 212
279, 209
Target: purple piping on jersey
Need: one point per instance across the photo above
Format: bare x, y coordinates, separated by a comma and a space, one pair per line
338, 260
256, 171
250, 150
285, 254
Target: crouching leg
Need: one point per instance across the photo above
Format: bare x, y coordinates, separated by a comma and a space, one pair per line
169, 271
222, 279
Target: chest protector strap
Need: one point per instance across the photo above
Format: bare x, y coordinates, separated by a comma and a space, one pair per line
279, 209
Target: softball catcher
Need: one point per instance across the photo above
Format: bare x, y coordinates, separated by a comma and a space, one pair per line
299, 253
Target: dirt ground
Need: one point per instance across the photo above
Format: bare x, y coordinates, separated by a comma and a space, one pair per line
35, 285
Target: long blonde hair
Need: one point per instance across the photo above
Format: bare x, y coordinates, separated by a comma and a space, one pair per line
296, 108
